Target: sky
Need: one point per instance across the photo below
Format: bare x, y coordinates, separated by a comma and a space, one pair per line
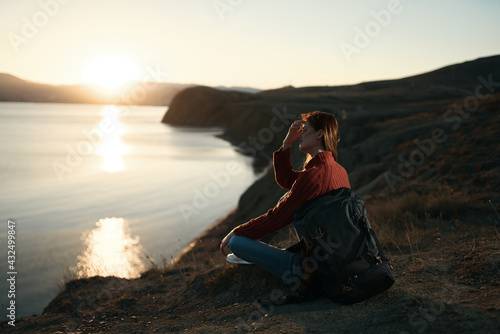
261, 44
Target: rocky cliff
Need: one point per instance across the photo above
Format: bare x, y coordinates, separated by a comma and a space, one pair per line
381, 123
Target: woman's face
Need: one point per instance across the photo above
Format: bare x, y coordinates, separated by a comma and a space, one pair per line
309, 138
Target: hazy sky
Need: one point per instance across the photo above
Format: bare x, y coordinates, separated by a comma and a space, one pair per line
262, 44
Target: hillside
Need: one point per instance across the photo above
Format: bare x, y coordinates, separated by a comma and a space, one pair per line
14, 89
421, 151
257, 123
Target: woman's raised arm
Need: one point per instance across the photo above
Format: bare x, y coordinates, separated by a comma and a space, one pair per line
283, 172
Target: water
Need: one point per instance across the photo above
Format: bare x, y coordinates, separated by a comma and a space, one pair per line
96, 190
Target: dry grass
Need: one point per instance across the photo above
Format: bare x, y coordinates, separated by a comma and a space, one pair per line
401, 222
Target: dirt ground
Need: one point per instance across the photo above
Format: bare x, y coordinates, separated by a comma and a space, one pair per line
449, 285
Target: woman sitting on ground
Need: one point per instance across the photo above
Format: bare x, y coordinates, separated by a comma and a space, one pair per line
318, 134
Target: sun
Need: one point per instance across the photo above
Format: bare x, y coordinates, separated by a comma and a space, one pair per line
111, 70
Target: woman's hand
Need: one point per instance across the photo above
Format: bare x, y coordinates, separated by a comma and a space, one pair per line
293, 133
224, 243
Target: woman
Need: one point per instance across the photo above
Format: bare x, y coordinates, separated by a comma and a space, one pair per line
318, 135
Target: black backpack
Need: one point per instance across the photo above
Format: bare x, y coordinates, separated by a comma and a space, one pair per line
340, 252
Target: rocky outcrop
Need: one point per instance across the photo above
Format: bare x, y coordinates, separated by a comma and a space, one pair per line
203, 106
245, 118
381, 123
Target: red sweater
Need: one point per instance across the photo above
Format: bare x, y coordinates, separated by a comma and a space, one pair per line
321, 175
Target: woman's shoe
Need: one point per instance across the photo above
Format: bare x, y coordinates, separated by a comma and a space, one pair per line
231, 258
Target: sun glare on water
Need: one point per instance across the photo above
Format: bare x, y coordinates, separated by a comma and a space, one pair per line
111, 148
111, 251
111, 70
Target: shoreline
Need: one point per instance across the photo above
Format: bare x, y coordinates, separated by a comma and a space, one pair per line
64, 221
260, 163
438, 228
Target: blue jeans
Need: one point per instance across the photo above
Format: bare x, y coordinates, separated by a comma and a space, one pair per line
277, 261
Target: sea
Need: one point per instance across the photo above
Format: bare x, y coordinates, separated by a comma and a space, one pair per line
103, 190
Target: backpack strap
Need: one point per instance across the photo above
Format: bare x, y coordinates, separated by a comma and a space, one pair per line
369, 243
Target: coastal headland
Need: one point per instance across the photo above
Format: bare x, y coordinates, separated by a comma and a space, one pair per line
421, 151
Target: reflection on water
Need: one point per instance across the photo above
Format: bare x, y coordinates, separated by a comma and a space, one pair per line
111, 148
111, 251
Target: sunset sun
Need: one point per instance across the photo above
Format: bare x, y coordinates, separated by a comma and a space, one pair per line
111, 70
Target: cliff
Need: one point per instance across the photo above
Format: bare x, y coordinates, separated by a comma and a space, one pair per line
422, 153
379, 121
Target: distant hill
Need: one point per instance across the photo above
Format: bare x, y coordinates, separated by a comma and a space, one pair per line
204, 105
153, 93
240, 89
459, 76
454, 80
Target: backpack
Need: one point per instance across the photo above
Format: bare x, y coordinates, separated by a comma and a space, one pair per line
339, 250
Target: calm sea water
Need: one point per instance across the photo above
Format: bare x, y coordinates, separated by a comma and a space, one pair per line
97, 190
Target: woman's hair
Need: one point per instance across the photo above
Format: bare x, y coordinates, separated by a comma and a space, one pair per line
323, 121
